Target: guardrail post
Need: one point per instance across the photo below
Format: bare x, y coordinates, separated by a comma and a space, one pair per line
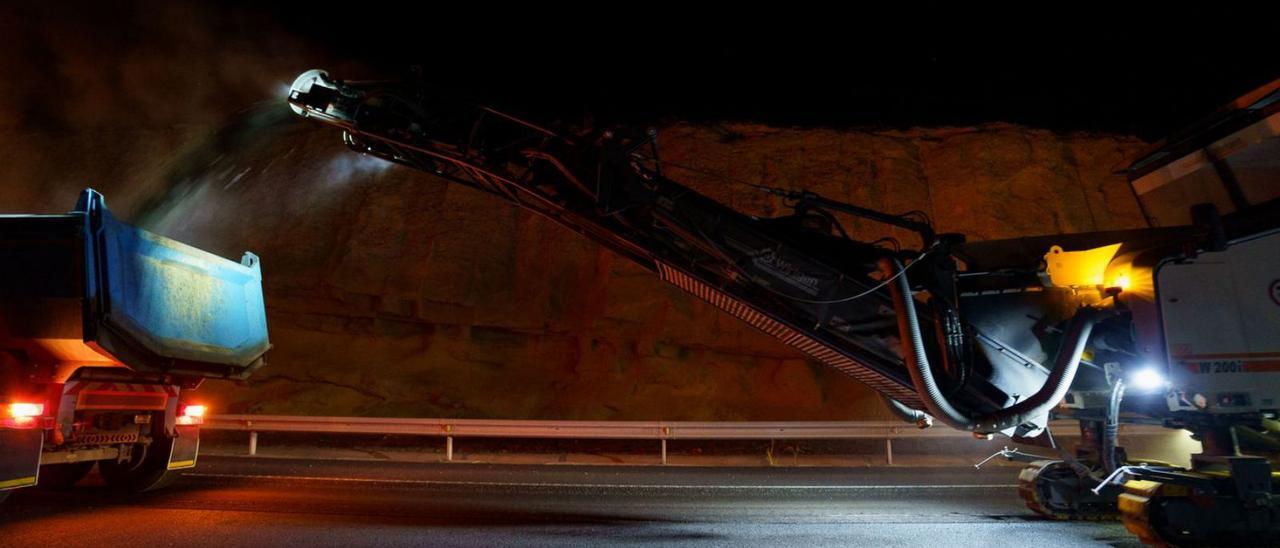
448, 443
888, 451
666, 430
253, 443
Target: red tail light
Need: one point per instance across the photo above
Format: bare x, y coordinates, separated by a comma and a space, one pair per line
191, 414
21, 410
22, 414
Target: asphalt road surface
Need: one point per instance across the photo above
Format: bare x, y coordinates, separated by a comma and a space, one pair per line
286, 502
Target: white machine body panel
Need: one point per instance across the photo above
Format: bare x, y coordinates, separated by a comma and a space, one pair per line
1221, 315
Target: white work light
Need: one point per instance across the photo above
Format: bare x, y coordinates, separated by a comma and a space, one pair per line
1147, 379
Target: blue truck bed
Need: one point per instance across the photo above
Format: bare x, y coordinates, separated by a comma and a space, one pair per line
84, 289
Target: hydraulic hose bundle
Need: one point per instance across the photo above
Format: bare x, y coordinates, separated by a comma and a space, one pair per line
936, 404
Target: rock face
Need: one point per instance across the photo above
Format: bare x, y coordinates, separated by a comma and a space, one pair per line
393, 293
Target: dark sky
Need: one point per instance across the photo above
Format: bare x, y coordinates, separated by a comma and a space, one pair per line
1072, 66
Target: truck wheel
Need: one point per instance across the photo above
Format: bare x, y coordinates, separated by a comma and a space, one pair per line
147, 468
65, 475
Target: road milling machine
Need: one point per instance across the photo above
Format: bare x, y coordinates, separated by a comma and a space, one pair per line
1175, 324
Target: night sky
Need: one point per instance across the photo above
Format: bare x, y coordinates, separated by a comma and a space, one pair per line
1073, 67
1076, 67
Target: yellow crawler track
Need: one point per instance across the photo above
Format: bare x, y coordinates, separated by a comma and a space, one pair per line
1027, 489
1135, 510
1143, 506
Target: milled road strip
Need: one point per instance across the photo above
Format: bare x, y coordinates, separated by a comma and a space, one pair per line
598, 485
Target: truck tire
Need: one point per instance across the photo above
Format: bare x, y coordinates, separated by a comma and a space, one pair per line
147, 468
65, 475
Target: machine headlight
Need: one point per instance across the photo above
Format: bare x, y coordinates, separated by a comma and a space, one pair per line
1147, 379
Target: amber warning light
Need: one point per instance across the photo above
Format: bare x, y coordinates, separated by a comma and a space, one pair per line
191, 414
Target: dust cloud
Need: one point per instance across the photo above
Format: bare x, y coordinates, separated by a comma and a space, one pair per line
175, 111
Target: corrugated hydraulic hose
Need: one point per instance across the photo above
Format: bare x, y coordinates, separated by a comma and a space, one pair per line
1111, 429
936, 404
1055, 387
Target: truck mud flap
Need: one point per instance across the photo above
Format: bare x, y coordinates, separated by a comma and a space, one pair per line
20, 457
185, 447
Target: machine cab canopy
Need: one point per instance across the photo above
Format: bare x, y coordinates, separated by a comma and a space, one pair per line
1231, 159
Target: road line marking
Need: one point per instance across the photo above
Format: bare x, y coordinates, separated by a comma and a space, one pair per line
599, 485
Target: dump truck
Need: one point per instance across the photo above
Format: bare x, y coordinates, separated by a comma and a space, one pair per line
1176, 323
104, 329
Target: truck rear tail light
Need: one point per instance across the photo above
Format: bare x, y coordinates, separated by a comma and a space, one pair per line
25, 410
23, 414
191, 414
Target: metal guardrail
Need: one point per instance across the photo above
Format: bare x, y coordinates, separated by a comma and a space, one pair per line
611, 430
